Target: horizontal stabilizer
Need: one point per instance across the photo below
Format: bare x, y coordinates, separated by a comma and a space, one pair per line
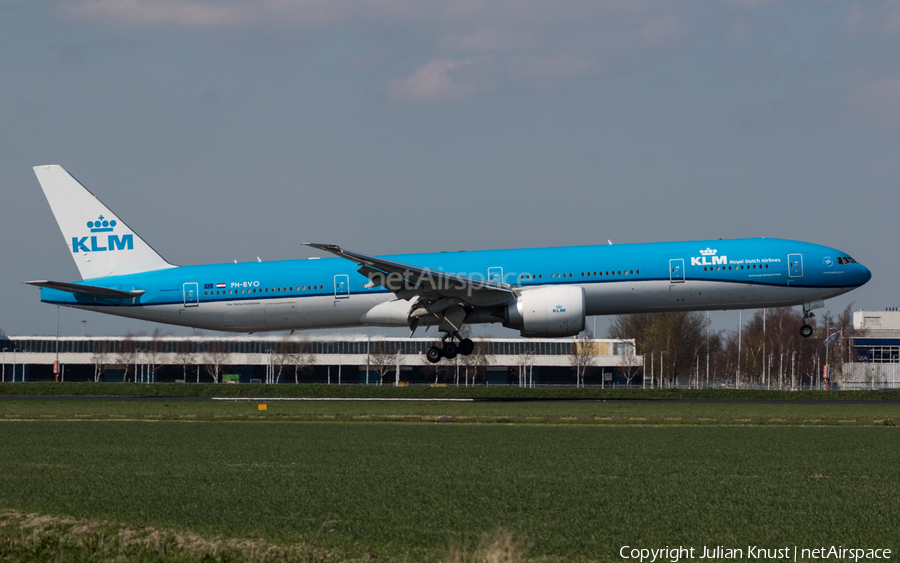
87, 289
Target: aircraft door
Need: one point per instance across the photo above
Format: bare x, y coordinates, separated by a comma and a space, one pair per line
495, 274
341, 286
191, 294
676, 270
795, 265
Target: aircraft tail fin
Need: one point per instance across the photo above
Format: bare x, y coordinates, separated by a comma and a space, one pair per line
101, 244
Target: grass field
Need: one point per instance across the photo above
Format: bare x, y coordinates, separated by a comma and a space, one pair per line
417, 491
595, 412
480, 391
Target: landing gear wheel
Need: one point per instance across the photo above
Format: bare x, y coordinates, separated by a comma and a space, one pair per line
434, 354
450, 350
806, 331
466, 346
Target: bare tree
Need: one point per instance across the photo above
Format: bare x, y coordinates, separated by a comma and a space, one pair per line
383, 359
678, 334
302, 358
629, 367
526, 364
153, 353
282, 355
127, 354
185, 356
582, 357
214, 357
476, 363
100, 358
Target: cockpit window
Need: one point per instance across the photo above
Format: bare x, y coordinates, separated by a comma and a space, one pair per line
846, 260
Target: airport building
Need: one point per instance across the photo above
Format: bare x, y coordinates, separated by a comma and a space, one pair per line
337, 360
875, 351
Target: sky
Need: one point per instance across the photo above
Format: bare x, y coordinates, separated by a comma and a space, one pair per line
226, 130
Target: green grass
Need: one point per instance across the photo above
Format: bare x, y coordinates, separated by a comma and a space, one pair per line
318, 390
595, 412
412, 491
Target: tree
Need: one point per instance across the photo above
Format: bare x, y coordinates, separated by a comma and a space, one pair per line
629, 366
127, 354
100, 357
680, 335
282, 355
302, 358
215, 355
476, 363
383, 359
526, 364
583, 354
186, 356
153, 353
777, 356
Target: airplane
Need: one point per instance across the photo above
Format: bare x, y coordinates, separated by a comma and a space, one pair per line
541, 292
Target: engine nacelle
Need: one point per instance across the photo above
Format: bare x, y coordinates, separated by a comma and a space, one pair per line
548, 311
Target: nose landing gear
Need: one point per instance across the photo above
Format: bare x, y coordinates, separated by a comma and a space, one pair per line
806, 330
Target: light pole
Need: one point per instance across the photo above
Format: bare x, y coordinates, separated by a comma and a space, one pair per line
662, 371
793, 355
737, 375
707, 348
765, 376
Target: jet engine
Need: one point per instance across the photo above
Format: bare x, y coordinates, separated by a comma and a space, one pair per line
548, 311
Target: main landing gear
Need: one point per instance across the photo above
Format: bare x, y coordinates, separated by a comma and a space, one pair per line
449, 350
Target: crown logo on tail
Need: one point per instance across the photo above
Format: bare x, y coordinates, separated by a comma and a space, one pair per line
101, 225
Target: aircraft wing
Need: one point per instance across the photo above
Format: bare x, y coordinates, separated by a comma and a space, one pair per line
87, 289
407, 281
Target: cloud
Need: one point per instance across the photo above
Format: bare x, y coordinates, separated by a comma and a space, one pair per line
877, 102
869, 17
660, 32
156, 12
431, 82
529, 42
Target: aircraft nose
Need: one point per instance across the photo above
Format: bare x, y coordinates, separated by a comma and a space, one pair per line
864, 274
